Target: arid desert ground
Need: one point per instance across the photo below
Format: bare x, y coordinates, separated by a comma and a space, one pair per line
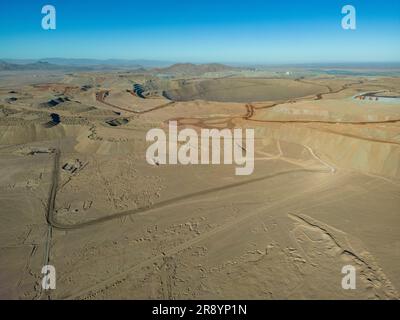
76, 191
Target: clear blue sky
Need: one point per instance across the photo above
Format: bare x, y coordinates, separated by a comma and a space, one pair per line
253, 31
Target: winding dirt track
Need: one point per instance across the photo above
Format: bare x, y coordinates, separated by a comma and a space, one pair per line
52, 221
54, 224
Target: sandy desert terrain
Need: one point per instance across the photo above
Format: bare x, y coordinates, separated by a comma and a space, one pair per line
77, 192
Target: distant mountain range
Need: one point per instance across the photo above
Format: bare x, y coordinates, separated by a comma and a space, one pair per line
53, 64
89, 63
194, 69
38, 65
165, 67
110, 62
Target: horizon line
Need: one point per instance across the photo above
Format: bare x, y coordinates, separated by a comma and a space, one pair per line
207, 62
